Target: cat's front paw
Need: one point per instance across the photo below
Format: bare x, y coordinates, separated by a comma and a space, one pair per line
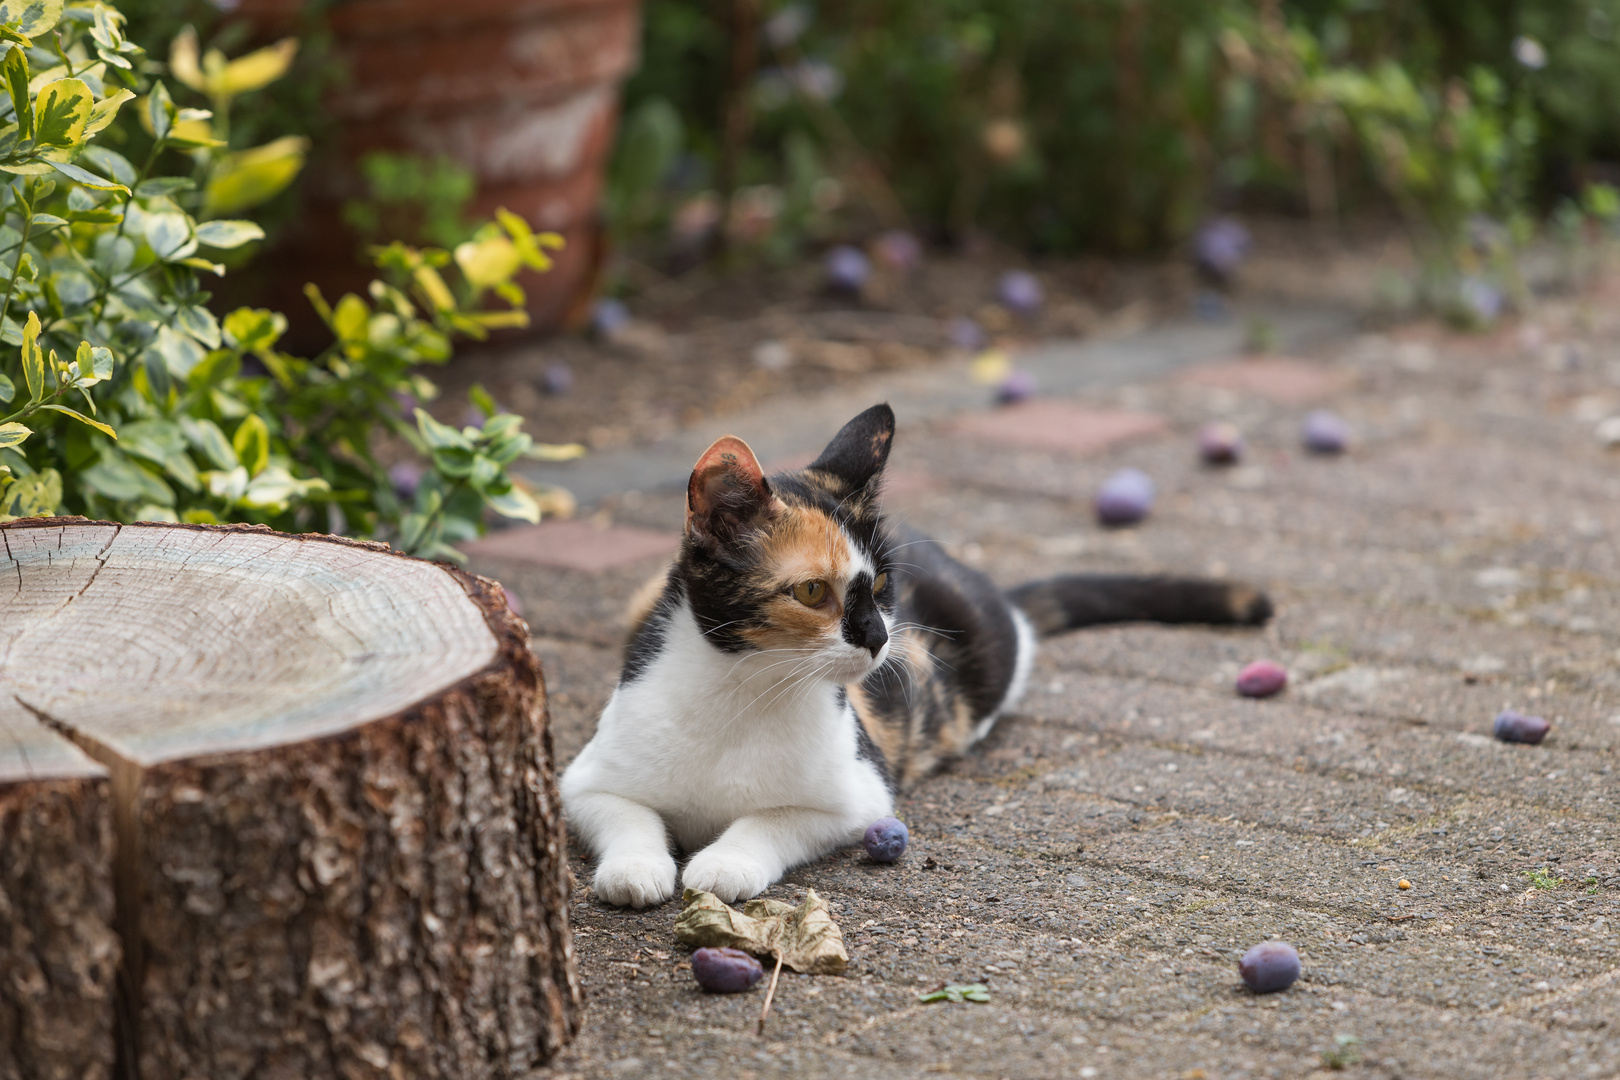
730, 875
635, 880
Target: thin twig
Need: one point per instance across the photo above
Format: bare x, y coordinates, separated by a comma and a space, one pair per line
769, 993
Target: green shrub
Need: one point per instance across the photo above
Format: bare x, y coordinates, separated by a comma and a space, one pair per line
1069, 124
128, 399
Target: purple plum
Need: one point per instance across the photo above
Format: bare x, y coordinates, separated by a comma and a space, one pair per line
1125, 498
1480, 299
965, 333
405, 477
1516, 727
609, 316
898, 250
1219, 247
886, 839
558, 379
1220, 443
1324, 433
1021, 291
725, 971
1262, 679
1019, 385
847, 269
1269, 966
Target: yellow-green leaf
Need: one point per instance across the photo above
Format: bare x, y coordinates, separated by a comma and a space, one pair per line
516, 503
250, 177
61, 112
350, 318
228, 234
183, 60
433, 288
83, 419
489, 261
12, 434
15, 70
106, 110
252, 444
33, 361
256, 70
36, 16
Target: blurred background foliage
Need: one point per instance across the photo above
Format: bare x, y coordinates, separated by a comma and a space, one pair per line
1111, 125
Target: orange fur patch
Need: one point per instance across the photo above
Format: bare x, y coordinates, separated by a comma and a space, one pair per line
803, 545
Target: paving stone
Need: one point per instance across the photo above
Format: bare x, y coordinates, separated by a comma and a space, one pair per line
1058, 425
1138, 824
573, 545
1289, 382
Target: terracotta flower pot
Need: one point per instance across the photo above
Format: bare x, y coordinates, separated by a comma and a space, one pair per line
525, 93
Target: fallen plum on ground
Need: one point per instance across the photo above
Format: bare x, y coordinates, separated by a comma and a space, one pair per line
847, 269
886, 839
725, 970
1269, 967
1516, 727
1325, 433
1125, 498
1220, 443
1262, 678
1021, 291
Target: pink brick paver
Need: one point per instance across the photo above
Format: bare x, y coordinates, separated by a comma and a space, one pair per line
1287, 382
1061, 426
574, 545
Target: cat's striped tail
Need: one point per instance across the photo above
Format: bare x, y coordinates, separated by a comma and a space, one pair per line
1075, 600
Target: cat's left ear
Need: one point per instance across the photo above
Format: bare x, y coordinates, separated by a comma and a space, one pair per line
727, 493
859, 451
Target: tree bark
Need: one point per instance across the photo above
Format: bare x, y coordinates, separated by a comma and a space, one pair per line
324, 797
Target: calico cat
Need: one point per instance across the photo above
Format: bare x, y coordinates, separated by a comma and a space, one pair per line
800, 661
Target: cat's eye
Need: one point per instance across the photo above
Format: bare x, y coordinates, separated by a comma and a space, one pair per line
810, 593
878, 583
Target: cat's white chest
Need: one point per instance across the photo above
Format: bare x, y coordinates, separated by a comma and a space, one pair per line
705, 738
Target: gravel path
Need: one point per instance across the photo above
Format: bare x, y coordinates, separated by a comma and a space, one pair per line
1104, 857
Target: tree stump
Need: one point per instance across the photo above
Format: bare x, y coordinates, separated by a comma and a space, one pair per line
271, 806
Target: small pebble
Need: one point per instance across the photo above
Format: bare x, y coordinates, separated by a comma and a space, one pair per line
773, 356
1269, 966
1516, 727
847, 269
1125, 498
1017, 386
1403, 884
886, 839
1021, 291
558, 379
725, 971
1324, 433
1262, 678
1220, 443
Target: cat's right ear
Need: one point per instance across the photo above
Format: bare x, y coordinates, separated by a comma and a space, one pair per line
727, 494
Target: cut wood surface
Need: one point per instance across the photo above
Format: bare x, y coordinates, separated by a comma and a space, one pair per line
323, 777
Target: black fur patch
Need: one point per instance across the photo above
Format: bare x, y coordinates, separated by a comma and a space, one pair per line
865, 748
1068, 603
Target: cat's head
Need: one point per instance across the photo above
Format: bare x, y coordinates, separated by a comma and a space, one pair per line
799, 562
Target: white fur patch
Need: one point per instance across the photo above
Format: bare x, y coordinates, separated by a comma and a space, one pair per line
749, 757
1023, 663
